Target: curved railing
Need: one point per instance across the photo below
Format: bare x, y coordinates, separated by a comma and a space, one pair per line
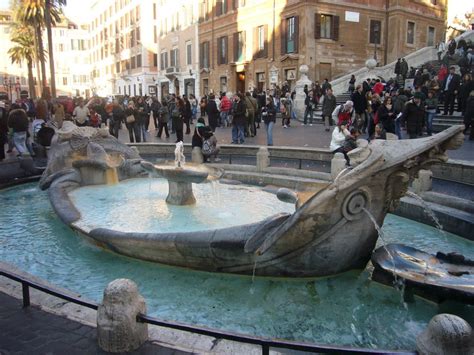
264, 343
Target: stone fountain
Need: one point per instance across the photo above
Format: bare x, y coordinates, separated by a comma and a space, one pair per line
328, 233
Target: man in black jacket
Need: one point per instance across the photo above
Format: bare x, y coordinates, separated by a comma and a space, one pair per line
360, 107
451, 87
413, 115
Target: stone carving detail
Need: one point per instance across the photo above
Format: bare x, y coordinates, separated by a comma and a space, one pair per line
354, 204
396, 188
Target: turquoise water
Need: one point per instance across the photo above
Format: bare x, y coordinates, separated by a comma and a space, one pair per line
139, 205
346, 309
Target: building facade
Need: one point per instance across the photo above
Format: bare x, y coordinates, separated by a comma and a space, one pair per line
72, 67
178, 48
247, 44
123, 47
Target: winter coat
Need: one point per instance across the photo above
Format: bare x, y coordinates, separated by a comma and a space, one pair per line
238, 113
329, 104
413, 116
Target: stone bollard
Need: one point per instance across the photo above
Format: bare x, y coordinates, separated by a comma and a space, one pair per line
423, 182
196, 156
263, 159
338, 163
446, 334
117, 327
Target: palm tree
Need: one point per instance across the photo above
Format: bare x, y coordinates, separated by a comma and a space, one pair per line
50, 5
24, 51
32, 13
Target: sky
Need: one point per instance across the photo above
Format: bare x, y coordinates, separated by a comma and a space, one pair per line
75, 8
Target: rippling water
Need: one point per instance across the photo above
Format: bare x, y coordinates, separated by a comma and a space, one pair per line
346, 309
139, 205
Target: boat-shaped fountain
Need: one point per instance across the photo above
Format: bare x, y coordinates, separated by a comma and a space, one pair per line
324, 232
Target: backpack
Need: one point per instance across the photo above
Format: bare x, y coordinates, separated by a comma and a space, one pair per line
206, 147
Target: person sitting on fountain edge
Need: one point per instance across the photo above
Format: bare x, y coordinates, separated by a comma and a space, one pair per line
205, 139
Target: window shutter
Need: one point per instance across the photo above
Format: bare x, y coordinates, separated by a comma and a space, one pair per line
177, 57
255, 43
226, 55
236, 46
219, 8
265, 43
317, 26
235, 4
201, 55
297, 33
219, 51
335, 28
283, 36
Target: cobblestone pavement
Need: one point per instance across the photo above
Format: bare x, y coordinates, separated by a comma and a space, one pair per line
33, 331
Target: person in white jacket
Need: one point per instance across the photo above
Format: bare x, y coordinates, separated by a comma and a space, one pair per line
338, 136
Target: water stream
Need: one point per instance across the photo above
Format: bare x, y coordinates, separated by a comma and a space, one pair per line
428, 211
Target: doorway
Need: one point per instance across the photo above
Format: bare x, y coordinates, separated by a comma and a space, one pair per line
325, 71
165, 90
240, 82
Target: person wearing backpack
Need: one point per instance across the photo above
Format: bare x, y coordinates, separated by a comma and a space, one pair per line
177, 115
251, 105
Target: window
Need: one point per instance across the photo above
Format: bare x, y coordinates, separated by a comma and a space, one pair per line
155, 60
375, 30
163, 60
289, 35
189, 54
222, 50
174, 57
205, 83
326, 26
260, 42
204, 55
239, 43
431, 36
139, 61
64, 80
411, 32
221, 7
133, 63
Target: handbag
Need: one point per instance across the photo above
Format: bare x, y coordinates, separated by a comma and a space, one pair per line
130, 119
206, 147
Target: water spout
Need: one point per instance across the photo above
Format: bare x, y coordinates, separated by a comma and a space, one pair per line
179, 157
428, 211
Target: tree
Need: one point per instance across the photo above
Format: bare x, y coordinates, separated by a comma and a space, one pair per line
32, 13
24, 51
50, 4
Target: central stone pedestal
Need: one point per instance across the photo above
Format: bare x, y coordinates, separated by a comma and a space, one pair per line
180, 193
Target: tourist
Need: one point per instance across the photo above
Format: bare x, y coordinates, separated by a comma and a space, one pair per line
413, 115
212, 112
386, 116
225, 107
344, 114
116, 118
194, 106
399, 102
285, 110
360, 107
404, 69
352, 82
469, 116
188, 114
450, 88
163, 118
441, 49
177, 116
203, 106
205, 139
131, 123
328, 106
58, 115
431, 104
142, 118
324, 87
95, 119
251, 105
379, 132
269, 118
238, 119
310, 103
339, 135
80, 114
375, 103
155, 108
467, 85
19, 124
171, 108
398, 67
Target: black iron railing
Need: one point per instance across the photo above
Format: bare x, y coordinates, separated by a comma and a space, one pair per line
265, 344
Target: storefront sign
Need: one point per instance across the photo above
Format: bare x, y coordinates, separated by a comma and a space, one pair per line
352, 16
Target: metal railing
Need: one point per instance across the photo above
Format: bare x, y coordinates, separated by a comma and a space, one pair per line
264, 343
